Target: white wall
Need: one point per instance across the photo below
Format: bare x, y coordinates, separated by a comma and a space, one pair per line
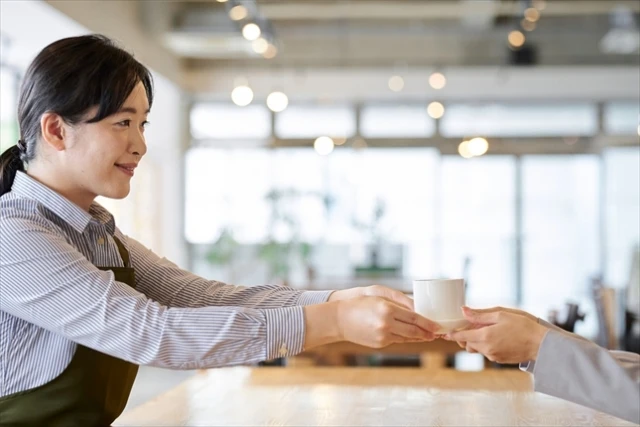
152, 213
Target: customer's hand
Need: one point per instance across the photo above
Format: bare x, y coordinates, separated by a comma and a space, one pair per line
377, 322
503, 336
470, 312
500, 309
373, 291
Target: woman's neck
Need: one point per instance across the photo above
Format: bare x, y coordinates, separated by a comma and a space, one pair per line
60, 184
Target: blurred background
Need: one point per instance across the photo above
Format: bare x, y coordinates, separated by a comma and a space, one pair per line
327, 144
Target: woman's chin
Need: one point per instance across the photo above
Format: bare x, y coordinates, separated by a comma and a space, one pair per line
117, 193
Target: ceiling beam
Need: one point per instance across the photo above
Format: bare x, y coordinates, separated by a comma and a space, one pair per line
119, 19
447, 146
404, 9
584, 83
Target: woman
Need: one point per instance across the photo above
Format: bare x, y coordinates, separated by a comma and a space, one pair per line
563, 364
82, 305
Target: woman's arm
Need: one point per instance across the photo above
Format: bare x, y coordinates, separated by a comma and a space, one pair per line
165, 282
49, 283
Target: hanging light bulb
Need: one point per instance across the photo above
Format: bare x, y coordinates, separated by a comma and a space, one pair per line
532, 14
359, 143
435, 110
271, 52
242, 95
251, 31
527, 25
463, 150
396, 83
516, 39
323, 145
277, 101
477, 146
238, 13
437, 81
339, 140
260, 46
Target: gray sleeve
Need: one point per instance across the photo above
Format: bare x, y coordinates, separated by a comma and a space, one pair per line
529, 365
582, 372
560, 330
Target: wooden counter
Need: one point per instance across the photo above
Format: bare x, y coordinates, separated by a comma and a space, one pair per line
359, 397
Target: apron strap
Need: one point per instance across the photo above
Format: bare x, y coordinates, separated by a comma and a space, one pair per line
124, 254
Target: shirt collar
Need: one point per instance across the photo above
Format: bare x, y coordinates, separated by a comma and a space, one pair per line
74, 215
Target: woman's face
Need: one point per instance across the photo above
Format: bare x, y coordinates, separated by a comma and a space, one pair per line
103, 156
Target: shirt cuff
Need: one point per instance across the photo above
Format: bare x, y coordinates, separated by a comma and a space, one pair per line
528, 366
285, 331
314, 297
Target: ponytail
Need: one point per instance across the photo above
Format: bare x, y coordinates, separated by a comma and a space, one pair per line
10, 164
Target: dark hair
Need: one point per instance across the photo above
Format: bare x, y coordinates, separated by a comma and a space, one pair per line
69, 77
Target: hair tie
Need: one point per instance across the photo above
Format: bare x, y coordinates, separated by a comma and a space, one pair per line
22, 146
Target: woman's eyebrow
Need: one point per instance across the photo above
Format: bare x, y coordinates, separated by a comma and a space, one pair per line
131, 110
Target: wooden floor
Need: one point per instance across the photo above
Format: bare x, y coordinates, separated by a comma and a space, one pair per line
350, 396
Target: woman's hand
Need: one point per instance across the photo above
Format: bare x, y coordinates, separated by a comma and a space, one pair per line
373, 291
378, 322
502, 335
371, 321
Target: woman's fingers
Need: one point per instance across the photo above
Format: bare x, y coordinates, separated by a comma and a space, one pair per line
411, 332
414, 318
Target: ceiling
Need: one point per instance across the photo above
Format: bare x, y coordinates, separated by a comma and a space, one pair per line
397, 33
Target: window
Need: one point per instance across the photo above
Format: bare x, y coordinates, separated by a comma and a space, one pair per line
228, 121
226, 188
396, 121
561, 251
503, 120
311, 121
622, 118
622, 210
476, 213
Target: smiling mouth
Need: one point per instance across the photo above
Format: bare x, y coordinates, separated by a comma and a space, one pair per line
126, 169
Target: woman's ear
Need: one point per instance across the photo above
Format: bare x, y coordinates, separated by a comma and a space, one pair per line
54, 131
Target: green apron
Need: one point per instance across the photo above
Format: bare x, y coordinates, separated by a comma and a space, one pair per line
92, 391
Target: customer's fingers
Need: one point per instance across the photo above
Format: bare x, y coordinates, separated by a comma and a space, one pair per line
482, 318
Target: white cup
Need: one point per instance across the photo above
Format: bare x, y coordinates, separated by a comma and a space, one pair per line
441, 300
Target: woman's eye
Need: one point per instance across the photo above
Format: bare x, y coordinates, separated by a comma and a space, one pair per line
145, 124
125, 123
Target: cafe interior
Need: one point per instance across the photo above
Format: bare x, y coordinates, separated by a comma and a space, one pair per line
328, 144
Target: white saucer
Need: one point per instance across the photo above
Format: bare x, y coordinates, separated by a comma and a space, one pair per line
452, 325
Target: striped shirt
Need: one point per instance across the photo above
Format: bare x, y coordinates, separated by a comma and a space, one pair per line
53, 297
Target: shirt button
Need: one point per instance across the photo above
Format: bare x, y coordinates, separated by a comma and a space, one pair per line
101, 240
283, 350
